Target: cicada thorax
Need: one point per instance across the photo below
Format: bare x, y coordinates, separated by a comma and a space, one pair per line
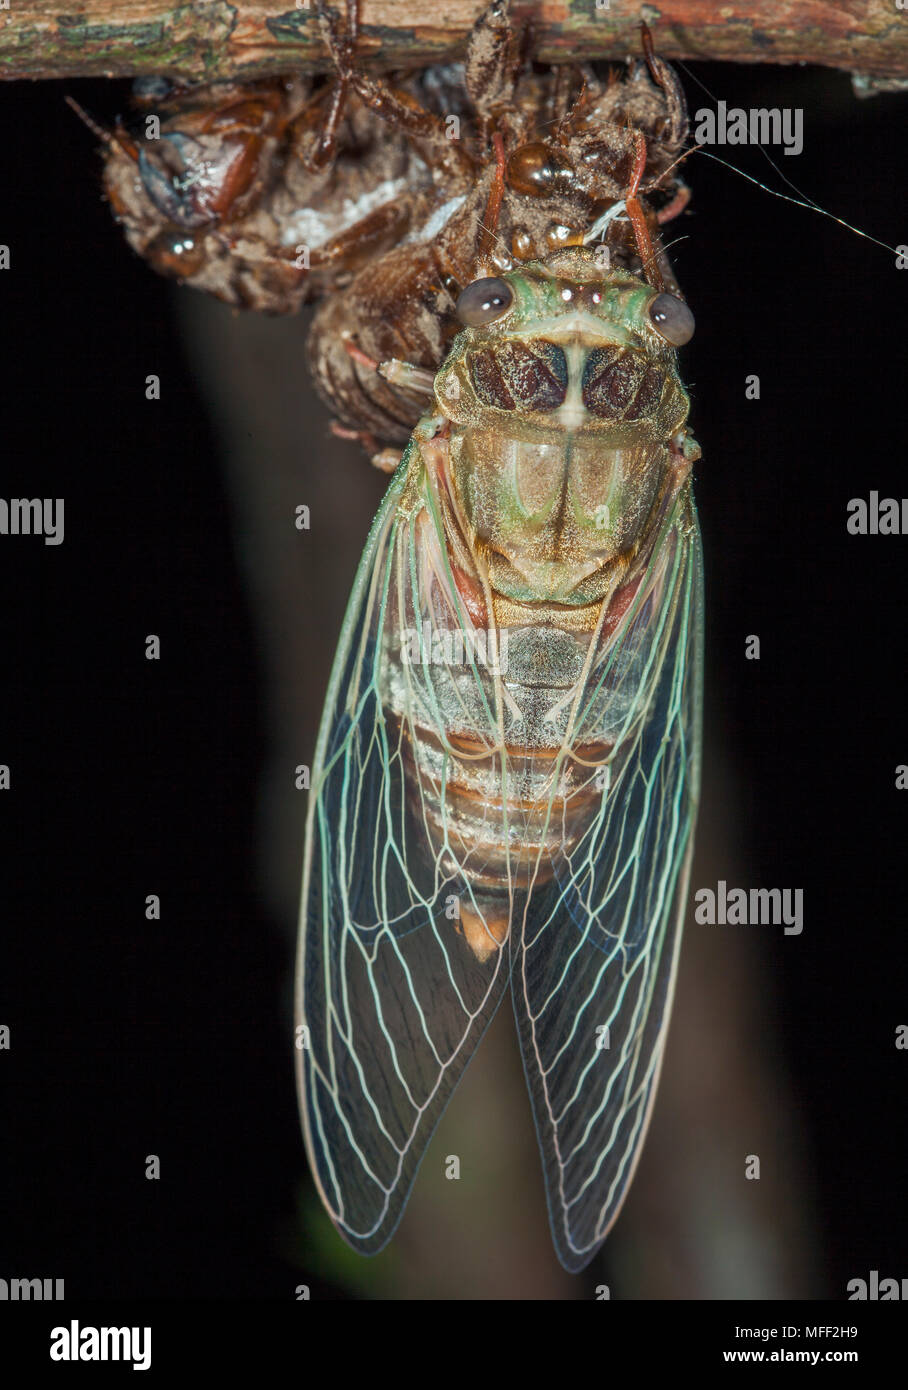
561, 456
561, 444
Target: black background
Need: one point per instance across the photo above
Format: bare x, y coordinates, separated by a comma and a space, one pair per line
130, 777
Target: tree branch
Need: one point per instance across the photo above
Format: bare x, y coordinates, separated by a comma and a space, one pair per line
212, 39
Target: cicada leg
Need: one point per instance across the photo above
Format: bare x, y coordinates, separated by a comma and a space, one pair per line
667, 79
342, 46
675, 207
385, 460
349, 250
400, 110
637, 218
407, 375
493, 59
493, 206
398, 373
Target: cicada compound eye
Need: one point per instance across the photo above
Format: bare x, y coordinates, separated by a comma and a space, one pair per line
484, 301
672, 319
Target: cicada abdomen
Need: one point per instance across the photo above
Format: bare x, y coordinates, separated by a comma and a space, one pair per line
506, 777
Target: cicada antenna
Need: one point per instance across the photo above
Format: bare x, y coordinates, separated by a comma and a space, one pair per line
94, 126
802, 201
674, 164
493, 238
107, 137
663, 251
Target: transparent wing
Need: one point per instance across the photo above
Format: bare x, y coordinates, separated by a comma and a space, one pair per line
596, 938
398, 974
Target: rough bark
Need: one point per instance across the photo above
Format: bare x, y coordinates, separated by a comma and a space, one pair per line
213, 39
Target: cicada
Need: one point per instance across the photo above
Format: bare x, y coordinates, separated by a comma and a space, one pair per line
505, 785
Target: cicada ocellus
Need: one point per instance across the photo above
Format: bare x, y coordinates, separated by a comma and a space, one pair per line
505, 784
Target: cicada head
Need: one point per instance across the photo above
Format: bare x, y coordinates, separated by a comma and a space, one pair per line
564, 345
566, 411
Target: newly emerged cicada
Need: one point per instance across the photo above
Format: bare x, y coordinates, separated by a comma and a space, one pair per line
505, 784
